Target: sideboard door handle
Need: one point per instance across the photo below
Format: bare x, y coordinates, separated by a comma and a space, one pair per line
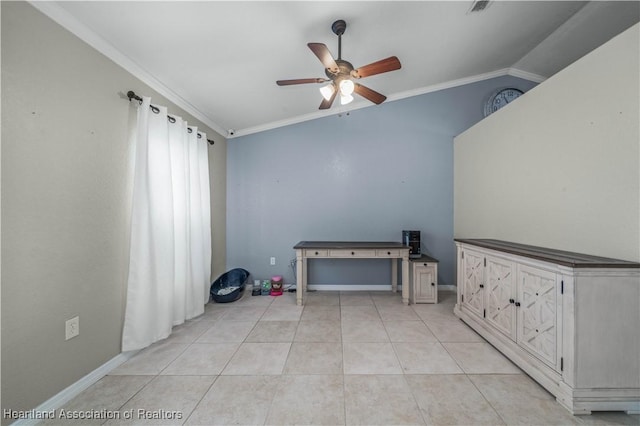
433, 284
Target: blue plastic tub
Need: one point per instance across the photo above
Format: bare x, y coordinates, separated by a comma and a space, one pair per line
229, 286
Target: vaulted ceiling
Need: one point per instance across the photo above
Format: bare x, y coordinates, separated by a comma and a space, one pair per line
219, 60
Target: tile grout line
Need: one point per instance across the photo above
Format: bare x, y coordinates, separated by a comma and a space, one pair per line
278, 384
485, 398
195, 407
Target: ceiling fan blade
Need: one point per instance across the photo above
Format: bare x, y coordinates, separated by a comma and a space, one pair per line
391, 63
322, 52
326, 104
372, 95
300, 81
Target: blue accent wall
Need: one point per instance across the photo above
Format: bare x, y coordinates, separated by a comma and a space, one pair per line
365, 175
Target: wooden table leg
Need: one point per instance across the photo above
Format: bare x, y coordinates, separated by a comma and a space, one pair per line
394, 275
305, 262
405, 279
300, 275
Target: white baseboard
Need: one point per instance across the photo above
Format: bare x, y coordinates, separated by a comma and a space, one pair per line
70, 392
355, 287
350, 287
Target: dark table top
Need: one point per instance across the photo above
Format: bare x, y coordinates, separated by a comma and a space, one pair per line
560, 257
349, 245
424, 258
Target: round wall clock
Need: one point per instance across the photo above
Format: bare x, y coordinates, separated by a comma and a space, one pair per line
500, 98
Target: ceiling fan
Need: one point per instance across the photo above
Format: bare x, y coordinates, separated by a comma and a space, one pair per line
341, 73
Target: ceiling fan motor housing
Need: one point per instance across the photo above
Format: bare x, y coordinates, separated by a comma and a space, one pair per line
344, 70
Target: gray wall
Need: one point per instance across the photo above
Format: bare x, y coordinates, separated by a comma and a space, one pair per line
66, 195
561, 166
363, 176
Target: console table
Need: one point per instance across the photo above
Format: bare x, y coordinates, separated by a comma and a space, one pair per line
352, 250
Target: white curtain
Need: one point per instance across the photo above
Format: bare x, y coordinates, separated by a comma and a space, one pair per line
170, 248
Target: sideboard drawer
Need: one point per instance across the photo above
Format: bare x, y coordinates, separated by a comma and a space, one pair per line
350, 253
315, 253
388, 253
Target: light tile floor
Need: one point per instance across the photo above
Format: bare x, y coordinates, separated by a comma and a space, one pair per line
355, 358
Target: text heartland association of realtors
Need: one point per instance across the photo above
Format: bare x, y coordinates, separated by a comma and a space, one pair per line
140, 414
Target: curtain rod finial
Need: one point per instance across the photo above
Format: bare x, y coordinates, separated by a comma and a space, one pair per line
132, 95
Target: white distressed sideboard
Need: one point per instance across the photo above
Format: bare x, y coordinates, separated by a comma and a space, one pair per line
571, 321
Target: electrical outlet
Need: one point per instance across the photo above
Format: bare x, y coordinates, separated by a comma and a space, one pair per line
272, 261
72, 328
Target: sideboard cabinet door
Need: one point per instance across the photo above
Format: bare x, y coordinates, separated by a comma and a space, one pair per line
426, 282
538, 312
473, 282
501, 295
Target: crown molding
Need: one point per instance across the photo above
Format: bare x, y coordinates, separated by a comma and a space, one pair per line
69, 22
536, 78
468, 80
302, 118
395, 97
86, 34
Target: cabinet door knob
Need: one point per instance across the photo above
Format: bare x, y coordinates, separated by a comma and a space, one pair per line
481, 285
433, 284
517, 303
512, 301
353, 253
316, 253
389, 253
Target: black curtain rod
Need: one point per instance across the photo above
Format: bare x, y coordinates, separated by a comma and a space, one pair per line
132, 95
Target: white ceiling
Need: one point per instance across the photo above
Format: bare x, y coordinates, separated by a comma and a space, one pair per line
219, 60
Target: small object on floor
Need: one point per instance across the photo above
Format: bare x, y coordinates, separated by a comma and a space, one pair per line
266, 287
276, 285
229, 286
256, 291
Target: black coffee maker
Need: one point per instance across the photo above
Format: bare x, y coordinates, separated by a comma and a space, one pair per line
412, 239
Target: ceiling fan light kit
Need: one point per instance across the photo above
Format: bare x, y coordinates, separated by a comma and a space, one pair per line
327, 91
341, 73
346, 87
345, 99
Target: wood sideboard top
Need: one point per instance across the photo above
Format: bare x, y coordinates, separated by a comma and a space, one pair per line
349, 245
560, 257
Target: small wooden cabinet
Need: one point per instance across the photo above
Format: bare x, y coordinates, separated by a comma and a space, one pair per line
424, 279
569, 320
